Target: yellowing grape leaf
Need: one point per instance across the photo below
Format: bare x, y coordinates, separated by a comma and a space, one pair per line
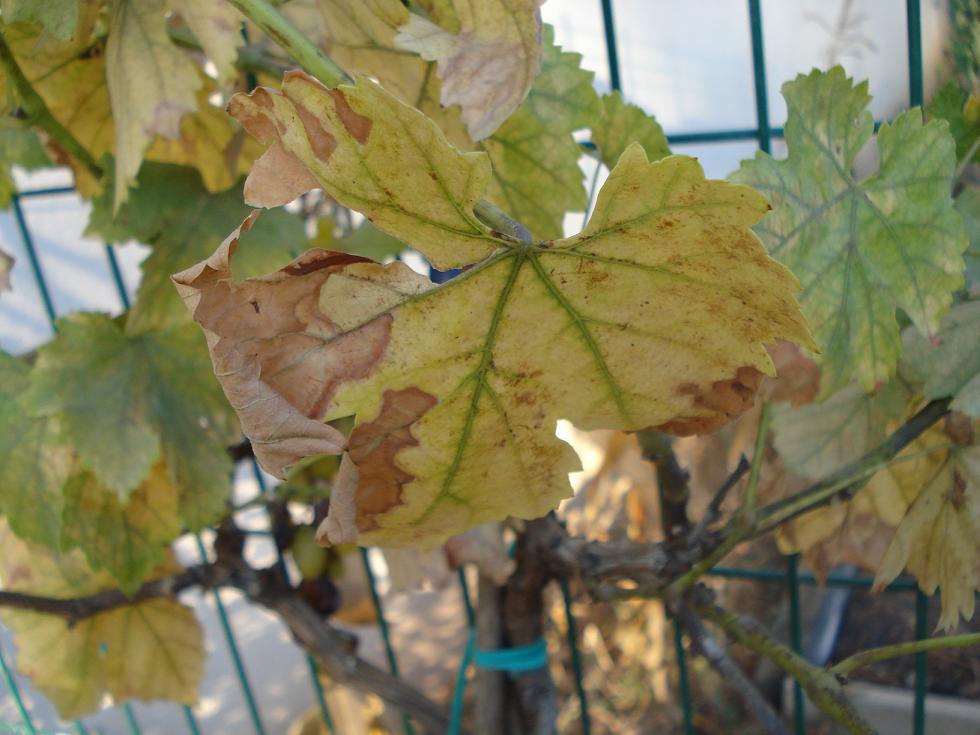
818, 438
341, 142
622, 123
938, 541
858, 531
951, 367
152, 84
33, 465
536, 176
172, 210
153, 650
125, 538
487, 63
963, 115
655, 315
217, 26
861, 248
124, 402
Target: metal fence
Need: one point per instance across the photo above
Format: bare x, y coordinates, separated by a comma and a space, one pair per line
790, 578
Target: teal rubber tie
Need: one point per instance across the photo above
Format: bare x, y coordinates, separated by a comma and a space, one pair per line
513, 660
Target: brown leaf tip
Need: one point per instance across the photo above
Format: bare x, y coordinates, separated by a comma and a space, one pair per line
715, 404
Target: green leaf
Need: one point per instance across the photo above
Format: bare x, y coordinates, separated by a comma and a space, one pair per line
621, 124
151, 650
818, 438
963, 115
457, 389
19, 146
59, 17
861, 249
126, 401
152, 84
536, 174
6, 265
127, 539
968, 205
951, 367
172, 210
33, 464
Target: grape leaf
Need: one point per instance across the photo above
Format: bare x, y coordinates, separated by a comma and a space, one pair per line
861, 249
963, 115
172, 210
536, 176
952, 366
938, 541
152, 650
125, 402
58, 17
127, 539
858, 531
217, 26
457, 389
968, 205
33, 465
818, 438
620, 124
487, 63
532, 152
19, 146
152, 84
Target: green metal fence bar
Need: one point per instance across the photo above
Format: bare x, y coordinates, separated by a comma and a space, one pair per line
795, 638
321, 698
759, 77
32, 258
577, 671
683, 683
609, 26
383, 626
921, 673
117, 277
914, 27
8, 677
80, 728
131, 722
236, 657
190, 720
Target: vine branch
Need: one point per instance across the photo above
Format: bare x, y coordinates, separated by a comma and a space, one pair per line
884, 653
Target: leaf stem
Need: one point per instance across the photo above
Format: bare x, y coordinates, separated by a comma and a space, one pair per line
883, 653
752, 489
38, 113
292, 41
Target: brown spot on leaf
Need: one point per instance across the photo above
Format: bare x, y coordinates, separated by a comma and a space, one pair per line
373, 447
322, 142
357, 125
317, 259
248, 110
715, 405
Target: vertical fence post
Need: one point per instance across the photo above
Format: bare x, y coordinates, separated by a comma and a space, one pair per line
583, 700
32, 258
682, 681
759, 77
914, 26
793, 582
8, 677
383, 626
611, 53
921, 673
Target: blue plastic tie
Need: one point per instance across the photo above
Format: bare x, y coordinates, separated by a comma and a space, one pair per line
513, 660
